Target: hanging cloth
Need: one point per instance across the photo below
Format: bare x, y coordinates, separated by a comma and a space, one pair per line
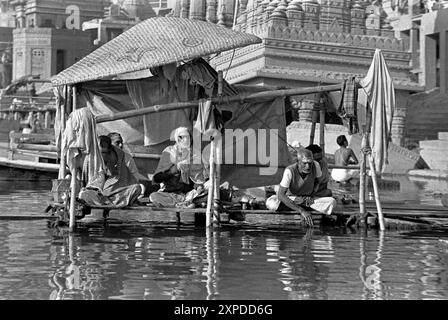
206, 118
79, 141
379, 88
347, 109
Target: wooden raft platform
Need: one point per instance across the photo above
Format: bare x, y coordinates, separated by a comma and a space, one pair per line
398, 214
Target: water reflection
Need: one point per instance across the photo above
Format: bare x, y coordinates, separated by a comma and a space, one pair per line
370, 274
126, 259
302, 274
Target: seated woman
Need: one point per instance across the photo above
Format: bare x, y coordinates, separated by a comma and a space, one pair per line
181, 178
121, 186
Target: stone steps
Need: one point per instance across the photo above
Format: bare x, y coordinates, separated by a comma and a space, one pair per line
443, 135
435, 152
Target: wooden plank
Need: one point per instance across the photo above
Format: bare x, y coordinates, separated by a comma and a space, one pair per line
29, 165
402, 207
35, 147
41, 154
26, 217
32, 136
145, 155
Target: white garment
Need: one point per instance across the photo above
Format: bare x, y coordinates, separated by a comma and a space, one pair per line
342, 175
324, 205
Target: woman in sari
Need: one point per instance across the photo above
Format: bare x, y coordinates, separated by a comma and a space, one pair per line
180, 172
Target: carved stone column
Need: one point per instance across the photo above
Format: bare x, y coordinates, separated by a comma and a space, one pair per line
306, 110
210, 15
197, 9
398, 126
185, 9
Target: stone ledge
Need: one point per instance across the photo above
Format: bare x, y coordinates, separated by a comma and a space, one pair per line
434, 144
443, 136
436, 174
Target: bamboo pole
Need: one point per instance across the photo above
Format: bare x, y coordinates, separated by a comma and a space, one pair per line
363, 169
75, 98
72, 223
313, 125
322, 128
372, 168
350, 167
63, 163
209, 211
193, 104
218, 146
315, 114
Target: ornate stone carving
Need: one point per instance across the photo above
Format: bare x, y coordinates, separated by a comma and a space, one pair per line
210, 14
198, 9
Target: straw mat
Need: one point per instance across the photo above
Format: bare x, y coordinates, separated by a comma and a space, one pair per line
154, 42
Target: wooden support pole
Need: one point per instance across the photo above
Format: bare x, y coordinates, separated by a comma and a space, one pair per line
72, 223
218, 155
194, 104
209, 211
322, 128
363, 170
313, 125
75, 98
62, 170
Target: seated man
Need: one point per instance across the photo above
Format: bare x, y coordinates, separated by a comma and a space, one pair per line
181, 178
298, 186
121, 186
344, 156
323, 190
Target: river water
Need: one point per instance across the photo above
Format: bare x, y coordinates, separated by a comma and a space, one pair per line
257, 260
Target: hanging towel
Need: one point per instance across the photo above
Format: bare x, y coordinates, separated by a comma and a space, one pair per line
348, 106
379, 88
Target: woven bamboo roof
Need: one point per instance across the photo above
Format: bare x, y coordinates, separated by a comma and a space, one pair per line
154, 42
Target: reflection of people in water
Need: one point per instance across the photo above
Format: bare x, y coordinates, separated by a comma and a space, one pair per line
85, 276
302, 274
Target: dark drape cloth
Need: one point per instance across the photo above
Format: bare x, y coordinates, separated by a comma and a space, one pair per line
348, 107
256, 119
109, 97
